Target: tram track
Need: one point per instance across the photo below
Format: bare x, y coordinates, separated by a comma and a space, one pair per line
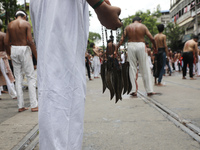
30, 141
182, 123
182, 85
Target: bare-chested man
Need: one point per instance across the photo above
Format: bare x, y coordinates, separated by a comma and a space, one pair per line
136, 32
161, 44
190, 49
18, 42
7, 77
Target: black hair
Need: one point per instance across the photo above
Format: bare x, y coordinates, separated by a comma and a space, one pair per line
137, 19
92, 44
110, 40
160, 28
20, 14
195, 37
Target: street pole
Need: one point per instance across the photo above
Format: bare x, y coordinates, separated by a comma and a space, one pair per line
196, 17
25, 5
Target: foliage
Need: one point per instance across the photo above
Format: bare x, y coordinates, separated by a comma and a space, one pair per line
95, 37
10, 7
149, 19
174, 34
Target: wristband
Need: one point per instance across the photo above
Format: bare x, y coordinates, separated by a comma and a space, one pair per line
98, 4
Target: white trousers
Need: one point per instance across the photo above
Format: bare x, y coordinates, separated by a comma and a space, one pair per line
136, 53
198, 67
22, 61
96, 62
11, 87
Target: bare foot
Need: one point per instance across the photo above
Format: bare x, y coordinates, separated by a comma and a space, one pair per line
34, 109
184, 78
134, 94
192, 78
153, 93
160, 84
22, 109
15, 98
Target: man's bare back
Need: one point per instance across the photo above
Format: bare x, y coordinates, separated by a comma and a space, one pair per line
2, 37
160, 40
136, 32
18, 32
190, 46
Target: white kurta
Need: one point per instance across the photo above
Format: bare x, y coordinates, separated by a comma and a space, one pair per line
61, 30
97, 65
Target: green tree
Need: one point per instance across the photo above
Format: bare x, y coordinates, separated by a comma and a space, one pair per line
93, 37
174, 34
10, 7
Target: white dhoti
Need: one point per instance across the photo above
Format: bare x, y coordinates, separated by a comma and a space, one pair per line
10, 85
198, 66
136, 53
96, 63
61, 44
22, 61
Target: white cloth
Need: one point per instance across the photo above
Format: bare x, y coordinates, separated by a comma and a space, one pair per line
198, 66
136, 53
150, 63
22, 61
122, 58
10, 86
1, 89
176, 65
96, 63
61, 29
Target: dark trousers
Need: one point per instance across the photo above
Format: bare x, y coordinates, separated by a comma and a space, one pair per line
88, 69
188, 59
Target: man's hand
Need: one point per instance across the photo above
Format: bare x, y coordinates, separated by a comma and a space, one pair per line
109, 15
155, 51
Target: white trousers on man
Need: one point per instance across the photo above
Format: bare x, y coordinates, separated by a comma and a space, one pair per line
61, 44
10, 86
136, 53
22, 61
97, 66
198, 66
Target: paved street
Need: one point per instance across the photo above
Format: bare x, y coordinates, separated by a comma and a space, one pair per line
131, 124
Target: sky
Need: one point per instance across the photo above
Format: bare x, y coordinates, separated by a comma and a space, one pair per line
128, 8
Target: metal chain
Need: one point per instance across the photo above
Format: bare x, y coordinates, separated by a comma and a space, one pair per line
102, 37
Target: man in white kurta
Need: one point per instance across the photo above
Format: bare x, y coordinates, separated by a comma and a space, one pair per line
61, 32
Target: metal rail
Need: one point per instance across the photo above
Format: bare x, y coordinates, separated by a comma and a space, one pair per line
182, 123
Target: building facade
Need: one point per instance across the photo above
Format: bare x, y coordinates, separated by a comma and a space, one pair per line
183, 13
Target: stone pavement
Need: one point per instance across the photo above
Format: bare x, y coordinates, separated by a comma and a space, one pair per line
13, 125
131, 124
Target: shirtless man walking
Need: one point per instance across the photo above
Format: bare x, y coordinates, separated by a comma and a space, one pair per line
18, 42
161, 44
190, 49
5, 67
136, 32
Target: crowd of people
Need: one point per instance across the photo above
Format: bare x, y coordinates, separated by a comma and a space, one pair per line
157, 61
61, 68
